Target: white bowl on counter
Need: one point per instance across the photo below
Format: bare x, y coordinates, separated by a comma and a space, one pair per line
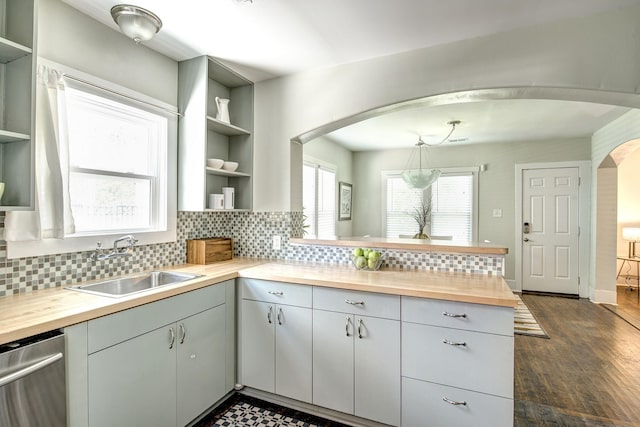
215, 163
230, 166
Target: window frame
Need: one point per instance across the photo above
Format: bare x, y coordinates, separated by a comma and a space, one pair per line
85, 242
473, 170
317, 165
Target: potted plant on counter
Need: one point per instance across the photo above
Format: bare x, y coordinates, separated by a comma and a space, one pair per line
422, 215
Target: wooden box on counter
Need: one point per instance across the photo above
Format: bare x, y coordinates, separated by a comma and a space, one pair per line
207, 251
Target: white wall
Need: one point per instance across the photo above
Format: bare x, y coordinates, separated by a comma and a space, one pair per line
328, 151
71, 38
571, 54
604, 203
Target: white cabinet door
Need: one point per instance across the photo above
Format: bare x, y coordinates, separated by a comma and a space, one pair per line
134, 382
333, 360
257, 345
377, 369
201, 363
293, 352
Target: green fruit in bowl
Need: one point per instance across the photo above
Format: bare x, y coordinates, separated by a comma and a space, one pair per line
361, 262
358, 252
374, 255
366, 253
371, 263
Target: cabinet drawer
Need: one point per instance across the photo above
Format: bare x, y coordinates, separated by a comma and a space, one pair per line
365, 303
484, 363
109, 330
423, 404
276, 292
460, 315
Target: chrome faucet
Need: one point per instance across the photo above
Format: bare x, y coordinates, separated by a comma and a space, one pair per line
99, 253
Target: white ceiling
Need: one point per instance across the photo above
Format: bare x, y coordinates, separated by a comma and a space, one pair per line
481, 122
269, 38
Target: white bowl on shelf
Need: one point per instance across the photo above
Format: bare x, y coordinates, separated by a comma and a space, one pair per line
230, 166
215, 163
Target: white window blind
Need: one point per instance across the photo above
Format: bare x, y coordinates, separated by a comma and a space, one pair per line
401, 203
319, 200
452, 206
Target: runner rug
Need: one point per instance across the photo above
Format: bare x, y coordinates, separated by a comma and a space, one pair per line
524, 323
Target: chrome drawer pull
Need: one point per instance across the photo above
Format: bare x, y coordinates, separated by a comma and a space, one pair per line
463, 316
346, 326
454, 402
279, 316
269, 314
279, 293
460, 344
348, 301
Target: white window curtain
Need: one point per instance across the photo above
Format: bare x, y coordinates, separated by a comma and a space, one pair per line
52, 217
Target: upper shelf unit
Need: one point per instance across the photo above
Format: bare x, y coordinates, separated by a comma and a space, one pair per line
17, 94
202, 135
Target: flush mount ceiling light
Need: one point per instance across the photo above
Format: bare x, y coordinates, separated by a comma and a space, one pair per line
422, 178
135, 22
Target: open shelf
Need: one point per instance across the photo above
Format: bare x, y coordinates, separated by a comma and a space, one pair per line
8, 136
222, 172
225, 128
10, 51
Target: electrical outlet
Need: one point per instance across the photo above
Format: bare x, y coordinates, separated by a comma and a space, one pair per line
497, 213
276, 242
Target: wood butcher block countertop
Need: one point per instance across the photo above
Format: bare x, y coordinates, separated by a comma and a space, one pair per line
31, 313
478, 289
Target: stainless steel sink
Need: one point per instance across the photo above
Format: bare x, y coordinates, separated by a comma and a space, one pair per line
127, 285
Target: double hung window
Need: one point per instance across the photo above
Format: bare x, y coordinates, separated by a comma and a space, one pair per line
453, 200
118, 164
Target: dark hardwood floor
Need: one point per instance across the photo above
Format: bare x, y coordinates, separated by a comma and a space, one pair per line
587, 373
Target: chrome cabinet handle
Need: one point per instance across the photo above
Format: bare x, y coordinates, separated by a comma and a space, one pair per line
279, 316
348, 301
172, 338
360, 324
269, 313
276, 293
526, 239
457, 344
183, 333
454, 402
346, 326
446, 313
29, 369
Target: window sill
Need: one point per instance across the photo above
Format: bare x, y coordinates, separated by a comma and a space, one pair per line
81, 244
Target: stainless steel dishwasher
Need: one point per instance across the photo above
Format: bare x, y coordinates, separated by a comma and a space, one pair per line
32, 382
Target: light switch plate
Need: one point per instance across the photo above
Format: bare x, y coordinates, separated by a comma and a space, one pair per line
497, 213
276, 243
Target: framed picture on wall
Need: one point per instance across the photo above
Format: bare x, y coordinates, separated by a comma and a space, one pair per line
344, 201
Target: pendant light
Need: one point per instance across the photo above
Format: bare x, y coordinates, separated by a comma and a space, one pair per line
422, 178
135, 22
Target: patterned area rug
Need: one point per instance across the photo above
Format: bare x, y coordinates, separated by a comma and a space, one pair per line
240, 410
524, 323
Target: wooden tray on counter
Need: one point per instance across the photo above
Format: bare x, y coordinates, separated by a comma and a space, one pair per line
209, 250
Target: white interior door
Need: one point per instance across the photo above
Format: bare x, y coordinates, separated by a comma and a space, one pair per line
550, 247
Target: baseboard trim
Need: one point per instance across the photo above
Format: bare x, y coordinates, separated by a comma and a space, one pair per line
605, 297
